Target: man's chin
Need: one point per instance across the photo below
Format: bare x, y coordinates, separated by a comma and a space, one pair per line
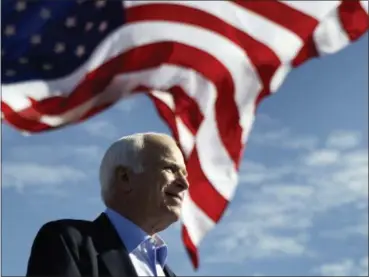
175, 213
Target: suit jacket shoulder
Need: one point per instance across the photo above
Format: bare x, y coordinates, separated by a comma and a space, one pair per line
56, 248
70, 247
71, 230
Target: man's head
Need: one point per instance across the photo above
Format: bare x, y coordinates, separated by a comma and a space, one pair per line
143, 176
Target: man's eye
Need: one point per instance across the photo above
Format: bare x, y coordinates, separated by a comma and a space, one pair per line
169, 168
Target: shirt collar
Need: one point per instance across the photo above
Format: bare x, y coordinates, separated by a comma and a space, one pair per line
133, 236
161, 249
130, 234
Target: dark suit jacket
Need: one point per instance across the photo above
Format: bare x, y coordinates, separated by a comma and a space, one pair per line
80, 248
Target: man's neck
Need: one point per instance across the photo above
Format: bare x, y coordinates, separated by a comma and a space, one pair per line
149, 225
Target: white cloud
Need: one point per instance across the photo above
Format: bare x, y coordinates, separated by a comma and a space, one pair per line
101, 128
345, 183
356, 157
257, 173
284, 138
271, 223
343, 139
275, 218
286, 245
250, 239
270, 132
322, 157
21, 175
345, 267
48, 169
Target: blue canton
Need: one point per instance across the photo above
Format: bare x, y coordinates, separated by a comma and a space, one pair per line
50, 39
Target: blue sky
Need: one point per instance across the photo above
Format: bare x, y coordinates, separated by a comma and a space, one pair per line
301, 205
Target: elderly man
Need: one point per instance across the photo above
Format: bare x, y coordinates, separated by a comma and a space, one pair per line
143, 181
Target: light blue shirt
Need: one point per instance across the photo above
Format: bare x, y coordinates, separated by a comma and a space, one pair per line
133, 237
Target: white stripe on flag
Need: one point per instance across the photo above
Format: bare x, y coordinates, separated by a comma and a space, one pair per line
186, 139
196, 221
329, 36
165, 97
217, 165
365, 5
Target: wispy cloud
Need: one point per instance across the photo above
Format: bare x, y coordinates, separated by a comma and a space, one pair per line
22, 175
256, 173
322, 157
343, 139
274, 134
48, 169
345, 267
284, 138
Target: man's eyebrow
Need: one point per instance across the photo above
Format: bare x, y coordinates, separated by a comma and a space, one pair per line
176, 165
171, 163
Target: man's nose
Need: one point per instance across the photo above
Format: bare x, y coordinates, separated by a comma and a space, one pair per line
183, 182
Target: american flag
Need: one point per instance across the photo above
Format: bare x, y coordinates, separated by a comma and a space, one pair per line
205, 64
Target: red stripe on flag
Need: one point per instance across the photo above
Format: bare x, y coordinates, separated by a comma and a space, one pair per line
199, 185
354, 19
200, 188
96, 81
94, 84
187, 109
165, 112
20, 121
206, 197
226, 109
308, 51
190, 247
279, 13
167, 115
201, 191
261, 56
95, 110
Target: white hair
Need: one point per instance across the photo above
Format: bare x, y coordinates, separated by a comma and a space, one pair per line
126, 152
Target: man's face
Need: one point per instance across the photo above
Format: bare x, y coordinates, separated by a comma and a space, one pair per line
160, 188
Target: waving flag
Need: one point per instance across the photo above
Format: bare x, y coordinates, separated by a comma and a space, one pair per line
205, 64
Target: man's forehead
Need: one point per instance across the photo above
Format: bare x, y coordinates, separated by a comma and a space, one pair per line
158, 140
162, 150
170, 156
178, 160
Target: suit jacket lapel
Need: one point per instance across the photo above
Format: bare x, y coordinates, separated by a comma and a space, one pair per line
112, 251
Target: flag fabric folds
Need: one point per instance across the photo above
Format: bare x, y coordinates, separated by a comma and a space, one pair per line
205, 64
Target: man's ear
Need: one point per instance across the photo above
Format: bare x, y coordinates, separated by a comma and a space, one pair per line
122, 176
